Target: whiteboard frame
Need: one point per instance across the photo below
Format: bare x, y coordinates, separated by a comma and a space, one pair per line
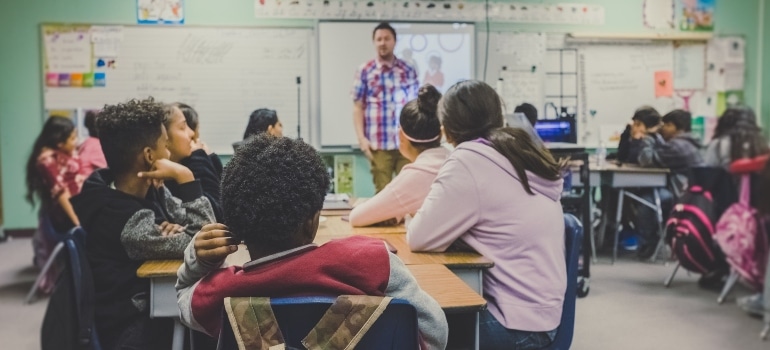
312, 68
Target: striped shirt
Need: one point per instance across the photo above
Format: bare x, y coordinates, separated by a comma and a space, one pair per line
384, 90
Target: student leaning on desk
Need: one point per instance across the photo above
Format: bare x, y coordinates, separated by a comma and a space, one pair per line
277, 216
499, 193
129, 217
672, 147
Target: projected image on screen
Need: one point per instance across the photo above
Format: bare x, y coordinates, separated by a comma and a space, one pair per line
442, 53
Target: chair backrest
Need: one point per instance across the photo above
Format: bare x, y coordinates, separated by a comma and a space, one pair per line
72, 302
573, 236
396, 328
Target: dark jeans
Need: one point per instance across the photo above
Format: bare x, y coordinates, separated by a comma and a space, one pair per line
493, 336
646, 221
143, 334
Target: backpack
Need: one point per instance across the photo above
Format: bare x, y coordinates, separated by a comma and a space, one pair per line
742, 237
690, 229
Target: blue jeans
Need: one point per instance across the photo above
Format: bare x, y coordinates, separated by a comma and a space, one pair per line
493, 336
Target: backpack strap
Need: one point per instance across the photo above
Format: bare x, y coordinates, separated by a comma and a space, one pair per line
345, 322
745, 195
254, 324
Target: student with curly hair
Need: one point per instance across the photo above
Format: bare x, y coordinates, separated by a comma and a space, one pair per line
272, 194
420, 142
130, 218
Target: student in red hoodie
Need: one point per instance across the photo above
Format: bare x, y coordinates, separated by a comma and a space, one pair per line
272, 193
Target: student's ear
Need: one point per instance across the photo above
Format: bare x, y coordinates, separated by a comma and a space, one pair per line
148, 155
270, 129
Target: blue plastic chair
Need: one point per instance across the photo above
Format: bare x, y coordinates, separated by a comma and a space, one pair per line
396, 328
573, 232
76, 282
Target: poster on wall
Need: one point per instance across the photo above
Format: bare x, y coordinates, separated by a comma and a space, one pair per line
160, 11
696, 15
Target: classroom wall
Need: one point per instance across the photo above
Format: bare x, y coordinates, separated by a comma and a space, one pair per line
21, 92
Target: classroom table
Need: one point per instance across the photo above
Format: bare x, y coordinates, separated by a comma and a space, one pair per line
461, 304
624, 176
469, 266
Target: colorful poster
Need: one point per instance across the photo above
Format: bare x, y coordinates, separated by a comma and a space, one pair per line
664, 85
160, 11
697, 15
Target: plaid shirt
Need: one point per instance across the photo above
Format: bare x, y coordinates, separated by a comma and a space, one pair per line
384, 90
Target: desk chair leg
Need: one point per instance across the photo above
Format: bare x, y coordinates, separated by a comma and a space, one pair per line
659, 212
178, 339
728, 286
670, 278
766, 298
477, 332
32, 295
618, 217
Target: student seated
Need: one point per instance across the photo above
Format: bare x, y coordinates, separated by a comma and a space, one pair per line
191, 152
262, 120
646, 121
736, 136
272, 193
529, 111
499, 194
191, 116
130, 217
90, 151
674, 148
420, 142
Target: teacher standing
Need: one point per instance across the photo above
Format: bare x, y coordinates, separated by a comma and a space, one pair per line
381, 88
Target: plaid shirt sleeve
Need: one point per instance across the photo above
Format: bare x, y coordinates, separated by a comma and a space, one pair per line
359, 86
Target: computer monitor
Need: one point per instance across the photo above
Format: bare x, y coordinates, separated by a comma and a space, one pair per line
557, 130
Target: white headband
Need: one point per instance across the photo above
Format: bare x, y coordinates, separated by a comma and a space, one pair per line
420, 141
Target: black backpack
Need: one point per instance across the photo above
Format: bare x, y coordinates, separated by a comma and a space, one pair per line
690, 232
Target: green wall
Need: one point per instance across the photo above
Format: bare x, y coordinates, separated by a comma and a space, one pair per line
21, 91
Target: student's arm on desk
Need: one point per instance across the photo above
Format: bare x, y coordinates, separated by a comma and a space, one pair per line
191, 209
394, 201
449, 211
430, 318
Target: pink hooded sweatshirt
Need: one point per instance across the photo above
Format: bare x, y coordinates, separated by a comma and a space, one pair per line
405, 194
477, 197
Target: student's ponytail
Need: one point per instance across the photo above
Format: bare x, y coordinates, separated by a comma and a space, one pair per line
419, 120
524, 154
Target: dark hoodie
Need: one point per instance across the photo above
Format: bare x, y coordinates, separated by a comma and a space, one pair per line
208, 170
679, 154
123, 232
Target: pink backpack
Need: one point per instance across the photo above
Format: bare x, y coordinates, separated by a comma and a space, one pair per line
741, 234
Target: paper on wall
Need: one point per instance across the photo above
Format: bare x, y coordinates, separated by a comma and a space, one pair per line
659, 14
690, 67
106, 40
68, 51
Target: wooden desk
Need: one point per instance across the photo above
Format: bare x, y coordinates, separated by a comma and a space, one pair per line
468, 266
457, 299
622, 176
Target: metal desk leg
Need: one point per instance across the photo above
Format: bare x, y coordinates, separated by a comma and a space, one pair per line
659, 212
476, 335
618, 217
178, 342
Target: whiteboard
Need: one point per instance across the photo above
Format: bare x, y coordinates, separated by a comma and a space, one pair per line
343, 47
224, 73
614, 81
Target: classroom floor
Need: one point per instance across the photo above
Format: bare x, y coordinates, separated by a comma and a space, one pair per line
627, 308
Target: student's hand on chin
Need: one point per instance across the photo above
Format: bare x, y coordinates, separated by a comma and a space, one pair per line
214, 243
198, 144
